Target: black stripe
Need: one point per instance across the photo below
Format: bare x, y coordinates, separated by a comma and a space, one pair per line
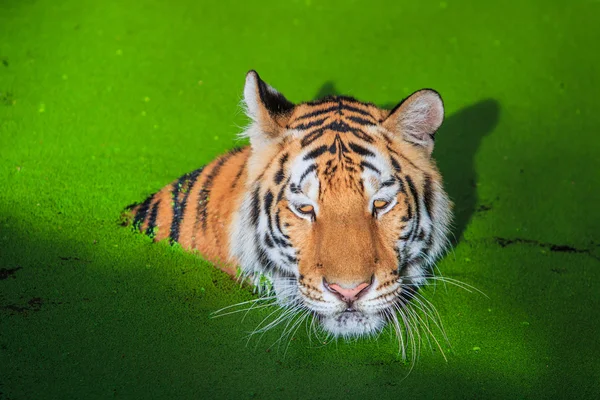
280, 172
263, 258
255, 207
362, 121
337, 145
290, 259
317, 113
150, 231
356, 110
311, 137
395, 164
215, 171
309, 124
402, 260
337, 126
391, 150
315, 153
408, 215
278, 225
234, 151
183, 184
140, 215
277, 229
267, 208
366, 164
361, 150
361, 135
204, 194
415, 196
389, 182
281, 242
308, 171
268, 241
282, 190
428, 195
238, 175
268, 202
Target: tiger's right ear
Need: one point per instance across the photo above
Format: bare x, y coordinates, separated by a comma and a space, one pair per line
268, 108
417, 118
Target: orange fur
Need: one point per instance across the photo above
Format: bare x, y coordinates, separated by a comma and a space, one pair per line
213, 241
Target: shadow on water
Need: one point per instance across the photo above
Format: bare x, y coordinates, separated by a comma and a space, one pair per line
457, 142
94, 320
327, 89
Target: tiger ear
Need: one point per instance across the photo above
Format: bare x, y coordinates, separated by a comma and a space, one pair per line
417, 118
268, 108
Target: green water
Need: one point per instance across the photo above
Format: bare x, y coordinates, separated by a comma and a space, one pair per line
104, 102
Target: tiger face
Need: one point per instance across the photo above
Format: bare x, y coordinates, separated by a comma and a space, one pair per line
344, 209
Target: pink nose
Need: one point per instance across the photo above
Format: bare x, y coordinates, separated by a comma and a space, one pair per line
347, 295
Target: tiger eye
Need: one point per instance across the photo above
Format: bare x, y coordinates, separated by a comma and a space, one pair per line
306, 209
379, 204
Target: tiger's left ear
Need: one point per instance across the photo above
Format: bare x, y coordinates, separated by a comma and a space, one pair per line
268, 108
417, 118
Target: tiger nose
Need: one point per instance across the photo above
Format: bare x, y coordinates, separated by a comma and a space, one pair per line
348, 294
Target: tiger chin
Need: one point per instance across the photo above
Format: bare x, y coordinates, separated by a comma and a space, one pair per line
336, 202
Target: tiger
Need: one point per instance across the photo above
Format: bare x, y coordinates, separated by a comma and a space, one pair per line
337, 203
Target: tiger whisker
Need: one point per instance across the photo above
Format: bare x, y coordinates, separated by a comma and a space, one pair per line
246, 310
253, 306
218, 312
409, 331
295, 328
463, 285
399, 335
285, 332
425, 305
287, 312
412, 331
416, 338
258, 327
310, 327
425, 325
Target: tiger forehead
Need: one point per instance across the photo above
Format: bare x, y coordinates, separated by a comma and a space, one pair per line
333, 107
339, 160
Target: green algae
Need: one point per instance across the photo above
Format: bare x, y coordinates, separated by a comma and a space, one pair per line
92, 310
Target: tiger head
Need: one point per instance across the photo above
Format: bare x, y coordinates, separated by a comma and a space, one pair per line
345, 211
